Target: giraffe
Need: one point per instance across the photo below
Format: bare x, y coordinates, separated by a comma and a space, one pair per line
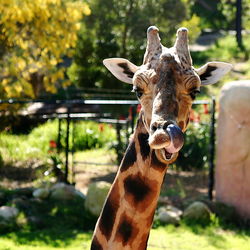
165, 84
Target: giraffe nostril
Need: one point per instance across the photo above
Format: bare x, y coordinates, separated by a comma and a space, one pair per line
153, 128
166, 124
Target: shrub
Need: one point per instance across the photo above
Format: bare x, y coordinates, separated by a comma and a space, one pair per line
87, 135
1, 160
194, 153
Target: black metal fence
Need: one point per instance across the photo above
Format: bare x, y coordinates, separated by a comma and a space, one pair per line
107, 118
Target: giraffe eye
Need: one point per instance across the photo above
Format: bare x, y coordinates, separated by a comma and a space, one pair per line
138, 92
194, 93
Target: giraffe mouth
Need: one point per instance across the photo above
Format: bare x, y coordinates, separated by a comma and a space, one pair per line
167, 155
164, 156
168, 142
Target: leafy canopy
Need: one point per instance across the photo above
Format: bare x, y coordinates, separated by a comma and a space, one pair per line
35, 37
118, 29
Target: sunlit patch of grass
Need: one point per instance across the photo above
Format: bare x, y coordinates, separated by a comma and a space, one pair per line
46, 240
35, 145
105, 157
168, 237
100, 155
196, 238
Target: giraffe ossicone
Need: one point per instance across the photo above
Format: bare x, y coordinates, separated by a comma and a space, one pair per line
166, 85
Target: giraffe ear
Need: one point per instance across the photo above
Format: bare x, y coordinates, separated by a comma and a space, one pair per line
121, 68
212, 72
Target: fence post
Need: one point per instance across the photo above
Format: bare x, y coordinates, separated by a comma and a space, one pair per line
211, 151
72, 153
67, 148
59, 146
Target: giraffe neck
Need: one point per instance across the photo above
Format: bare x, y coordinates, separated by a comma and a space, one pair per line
128, 213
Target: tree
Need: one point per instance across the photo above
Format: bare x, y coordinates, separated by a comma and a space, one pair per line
35, 38
209, 12
118, 29
238, 23
237, 16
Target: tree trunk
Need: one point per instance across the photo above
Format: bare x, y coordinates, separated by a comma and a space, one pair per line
238, 24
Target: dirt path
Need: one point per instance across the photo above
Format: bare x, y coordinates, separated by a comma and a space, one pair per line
179, 187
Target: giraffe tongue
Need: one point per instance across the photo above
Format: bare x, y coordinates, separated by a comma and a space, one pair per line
167, 154
177, 139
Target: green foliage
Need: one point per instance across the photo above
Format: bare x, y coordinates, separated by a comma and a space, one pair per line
178, 238
228, 10
87, 135
225, 49
194, 153
218, 15
118, 29
43, 214
193, 25
1, 160
227, 215
17, 147
209, 13
30, 55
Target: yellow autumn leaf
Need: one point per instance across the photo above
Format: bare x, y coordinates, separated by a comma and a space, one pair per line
40, 33
4, 82
66, 83
18, 88
53, 61
21, 64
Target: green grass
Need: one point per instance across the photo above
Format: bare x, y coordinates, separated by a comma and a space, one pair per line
46, 240
196, 238
35, 145
23, 147
168, 237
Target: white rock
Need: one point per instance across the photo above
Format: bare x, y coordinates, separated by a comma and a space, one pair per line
96, 195
197, 211
174, 210
62, 191
169, 215
41, 193
8, 213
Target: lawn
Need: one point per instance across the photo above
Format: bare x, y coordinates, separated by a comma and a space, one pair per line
167, 237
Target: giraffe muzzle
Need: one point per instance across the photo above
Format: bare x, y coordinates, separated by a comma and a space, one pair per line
170, 138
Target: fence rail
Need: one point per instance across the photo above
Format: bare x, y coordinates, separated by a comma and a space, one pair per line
104, 118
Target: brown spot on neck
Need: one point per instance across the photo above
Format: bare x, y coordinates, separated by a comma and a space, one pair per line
144, 146
126, 230
109, 212
95, 245
129, 158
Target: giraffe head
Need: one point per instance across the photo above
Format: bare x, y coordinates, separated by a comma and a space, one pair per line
166, 85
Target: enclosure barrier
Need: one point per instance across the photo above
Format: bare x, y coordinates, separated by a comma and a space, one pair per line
92, 116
